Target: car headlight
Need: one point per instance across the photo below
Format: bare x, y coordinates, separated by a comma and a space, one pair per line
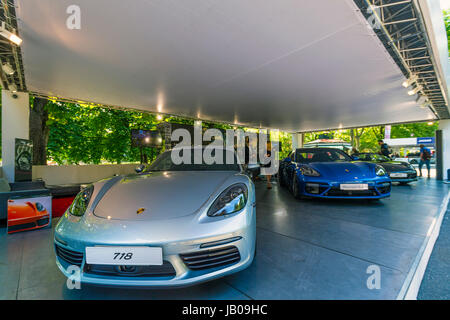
379, 171
39, 206
308, 171
81, 201
232, 200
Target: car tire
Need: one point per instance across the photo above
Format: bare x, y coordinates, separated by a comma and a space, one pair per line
281, 179
295, 188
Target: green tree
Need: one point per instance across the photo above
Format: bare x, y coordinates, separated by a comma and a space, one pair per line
420, 129
447, 26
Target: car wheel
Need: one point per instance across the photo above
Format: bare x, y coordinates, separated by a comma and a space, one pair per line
295, 188
281, 179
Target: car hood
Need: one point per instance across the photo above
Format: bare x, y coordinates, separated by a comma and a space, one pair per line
159, 195
395, 166
344, 171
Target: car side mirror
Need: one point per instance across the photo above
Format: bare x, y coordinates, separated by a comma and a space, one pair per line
140, 168
355, 158
253, 169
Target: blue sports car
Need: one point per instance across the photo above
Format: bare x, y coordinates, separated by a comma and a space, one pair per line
331, 173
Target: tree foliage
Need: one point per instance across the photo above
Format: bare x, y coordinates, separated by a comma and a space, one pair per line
366, 139
447, 26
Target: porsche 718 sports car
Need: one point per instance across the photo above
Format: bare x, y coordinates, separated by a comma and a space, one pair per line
169, 225
398, 171
331, 173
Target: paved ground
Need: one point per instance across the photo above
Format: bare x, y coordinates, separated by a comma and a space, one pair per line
306, 250
436, 281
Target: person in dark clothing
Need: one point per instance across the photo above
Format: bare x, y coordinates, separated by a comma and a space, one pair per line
384, 148
267, 165
425, 156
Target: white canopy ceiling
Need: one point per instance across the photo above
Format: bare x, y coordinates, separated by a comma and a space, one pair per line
295, 65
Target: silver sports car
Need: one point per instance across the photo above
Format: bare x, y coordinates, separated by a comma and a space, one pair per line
169, 225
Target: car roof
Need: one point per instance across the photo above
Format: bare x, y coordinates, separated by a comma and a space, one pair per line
318, 148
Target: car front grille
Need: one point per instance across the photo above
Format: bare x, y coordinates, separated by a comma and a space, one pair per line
213, 258
43, 222
164, 270
383, 189
412, 175
336, 192
21, 227
69, 256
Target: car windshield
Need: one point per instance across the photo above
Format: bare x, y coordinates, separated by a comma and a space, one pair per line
321, 155
165, 162
373, 157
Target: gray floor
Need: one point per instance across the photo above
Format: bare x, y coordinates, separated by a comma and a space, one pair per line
436, 281
306, 250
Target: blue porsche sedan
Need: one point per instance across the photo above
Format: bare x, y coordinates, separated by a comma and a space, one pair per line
331, 173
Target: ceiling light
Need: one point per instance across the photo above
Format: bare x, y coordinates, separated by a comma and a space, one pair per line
159, 117
410, 81
9, 35
8, 69
415, 90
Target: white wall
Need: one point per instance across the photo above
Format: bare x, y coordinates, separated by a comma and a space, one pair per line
444, 125
15, 115
71, 174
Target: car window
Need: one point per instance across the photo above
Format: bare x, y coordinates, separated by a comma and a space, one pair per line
165, 163
320, 155
365, 157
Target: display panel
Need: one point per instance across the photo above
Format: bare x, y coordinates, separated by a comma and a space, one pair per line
23, 160
29, 213
145, 138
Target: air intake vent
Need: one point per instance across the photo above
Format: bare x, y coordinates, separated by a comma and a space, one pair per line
165, 270
206, 259
69, 256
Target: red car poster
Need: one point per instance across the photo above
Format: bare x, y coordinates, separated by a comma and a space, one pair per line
29, 213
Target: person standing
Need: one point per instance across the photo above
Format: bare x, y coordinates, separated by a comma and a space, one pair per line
425, 156
384, 148
267, 165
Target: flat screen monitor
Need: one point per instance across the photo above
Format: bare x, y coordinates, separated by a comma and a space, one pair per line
145, 138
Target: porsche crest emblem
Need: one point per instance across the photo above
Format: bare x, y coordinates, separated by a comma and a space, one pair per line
140, 210
346, 170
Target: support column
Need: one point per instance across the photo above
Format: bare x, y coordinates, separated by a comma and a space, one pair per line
444, 127
15, 124
297, 140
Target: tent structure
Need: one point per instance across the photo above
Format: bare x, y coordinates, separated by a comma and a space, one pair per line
294, 65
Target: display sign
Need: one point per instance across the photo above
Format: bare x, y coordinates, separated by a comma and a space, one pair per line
428, 140
145, 138
29, 213
23, 163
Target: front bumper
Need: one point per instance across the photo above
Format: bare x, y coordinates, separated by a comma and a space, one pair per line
176, 242
411, 176
29, 223
377, 189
